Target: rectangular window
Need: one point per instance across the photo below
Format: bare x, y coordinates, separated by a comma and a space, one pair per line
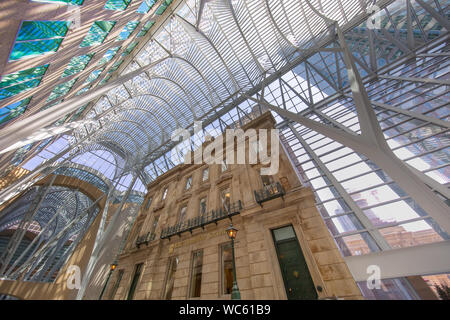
188, 183
225, 198
154, 225
196, 274
205, 174
170, 278
134, 281
224, 166
116, 285
164, 194
226, 268
149, 203
182, 215
202, 207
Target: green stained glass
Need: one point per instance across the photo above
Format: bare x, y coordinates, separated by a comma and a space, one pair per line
105, 80
81, 91
97, 34
18, 88
115, 66
163, 6
13, 110
77, 64
94, 75
21, 76
145, 28
127, 30
78, 113
37, 30
145, 6
129, 49
34, 48
73, 2
108, 56
117, 4
61, 89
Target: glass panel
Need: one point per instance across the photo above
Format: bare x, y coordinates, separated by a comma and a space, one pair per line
73, 2
411, 234
168, 288
182, 215
284, 233
145, 28
13, 110
127, 30
149, 203
227, 268
117, 4
440, 284
137, 274
390, 289
163, 7
129, 49
357, 244
97, 34
61, 89
108, 56
116, 284
145, 6
196, 275
34, 48
94, 75
21, 76
343, 224
38, 30
202, 207
205, 174
21, 87
188, 183
77, 64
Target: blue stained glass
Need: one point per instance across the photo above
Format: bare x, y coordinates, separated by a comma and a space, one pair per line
74, 2
108, 56
21, 87
127, 30
34, 48
117, 4
13, 110
98, 32
36, 30
145, 6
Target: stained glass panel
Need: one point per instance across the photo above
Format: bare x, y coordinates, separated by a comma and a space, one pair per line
145, 6
77, 64
117, 4
61, 89
13, 110
127, 30
97, 34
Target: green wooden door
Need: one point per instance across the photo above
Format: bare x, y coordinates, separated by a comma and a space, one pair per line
297, 279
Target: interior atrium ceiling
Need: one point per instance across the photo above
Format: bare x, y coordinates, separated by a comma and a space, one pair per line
361, 101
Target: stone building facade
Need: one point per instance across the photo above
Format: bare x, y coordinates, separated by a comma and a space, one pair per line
178, 247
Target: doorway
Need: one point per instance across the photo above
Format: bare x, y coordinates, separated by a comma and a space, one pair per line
297, 279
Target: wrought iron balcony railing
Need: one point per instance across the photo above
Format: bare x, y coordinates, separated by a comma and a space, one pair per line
269, 192
200, 221
145, 239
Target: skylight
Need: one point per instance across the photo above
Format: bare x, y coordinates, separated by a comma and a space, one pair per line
13, 110
117, 4
127, 30
77, 64
61, 89
145, 6
38, 37
15, 83
97, 34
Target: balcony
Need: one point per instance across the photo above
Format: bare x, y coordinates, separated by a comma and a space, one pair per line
145, 239
201, 221
269, 192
